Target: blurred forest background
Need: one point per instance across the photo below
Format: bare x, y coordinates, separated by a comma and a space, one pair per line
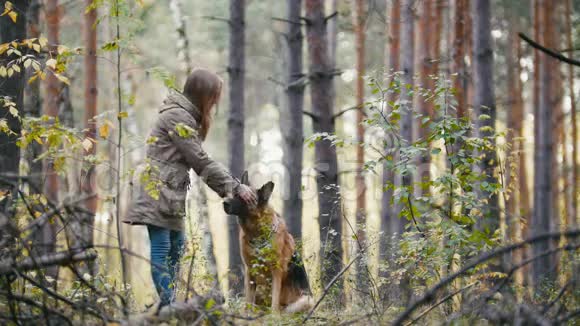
405, 137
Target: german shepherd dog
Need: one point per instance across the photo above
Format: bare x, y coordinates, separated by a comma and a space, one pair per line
274, 272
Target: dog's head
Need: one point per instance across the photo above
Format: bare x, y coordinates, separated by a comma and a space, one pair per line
236, 206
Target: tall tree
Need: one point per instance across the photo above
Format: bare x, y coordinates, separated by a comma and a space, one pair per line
236, 128
359, 30
51, 108
91, 97
33, 103
460, 36
515, 201
329, 201
484, 101
389, 222
425, 60
11, 87
573, 209
542, 215
359, 17
198, 188
291, 122
407, 61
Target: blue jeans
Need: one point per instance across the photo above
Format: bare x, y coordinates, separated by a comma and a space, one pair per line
166, 249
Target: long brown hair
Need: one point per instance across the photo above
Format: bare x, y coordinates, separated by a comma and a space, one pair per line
203, 89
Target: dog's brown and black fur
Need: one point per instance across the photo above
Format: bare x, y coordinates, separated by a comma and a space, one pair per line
274, 272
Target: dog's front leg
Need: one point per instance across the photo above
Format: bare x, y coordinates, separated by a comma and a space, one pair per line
250, 287
276, 290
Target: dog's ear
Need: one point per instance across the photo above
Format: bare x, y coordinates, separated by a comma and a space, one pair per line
265, 193
245, 178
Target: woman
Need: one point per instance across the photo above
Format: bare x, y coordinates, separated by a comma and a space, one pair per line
174, 147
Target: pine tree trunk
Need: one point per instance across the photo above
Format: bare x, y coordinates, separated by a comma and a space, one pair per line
573, 178
51, 106
329, 201
33, 105
460, 37
426, 28
407, 60
484, 102
291, 123
11, 87
359, 17
542, 216
392, 54
236, 130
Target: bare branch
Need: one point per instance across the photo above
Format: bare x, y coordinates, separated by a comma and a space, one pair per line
311, 115
61, 258
549, 52
221, 19
287, 21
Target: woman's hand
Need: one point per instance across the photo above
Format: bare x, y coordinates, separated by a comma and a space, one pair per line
247, 194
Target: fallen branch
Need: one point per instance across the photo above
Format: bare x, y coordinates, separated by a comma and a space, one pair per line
60, 259
430, 294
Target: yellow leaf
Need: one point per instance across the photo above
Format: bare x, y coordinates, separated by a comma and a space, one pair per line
62, 49
36, 47
13, 15
43, 41
32, 79
122, 115
87, 144
51, 63
27, 63
8, 5
37, 214
3, 194
13, 111
4, 47
104, 130
62, 79
2, 71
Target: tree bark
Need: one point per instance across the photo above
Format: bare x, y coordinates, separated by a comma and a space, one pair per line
407, 60
573, 178
11, 87
51, 106
359, 17
291, 123
460, 36
543, 205
182, 40
33, 104
425, 56
484, 102
516, 205
387, 214
329, 201
236, 130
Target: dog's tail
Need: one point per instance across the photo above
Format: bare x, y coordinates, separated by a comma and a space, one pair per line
303, 304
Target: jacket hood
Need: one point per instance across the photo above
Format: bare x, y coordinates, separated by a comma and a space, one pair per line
175, 99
